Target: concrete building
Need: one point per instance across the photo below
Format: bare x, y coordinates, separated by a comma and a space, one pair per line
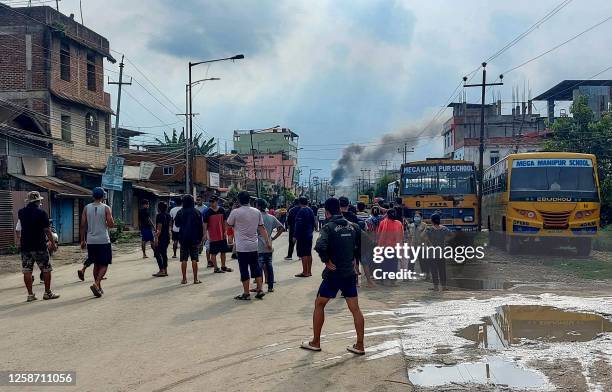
597, 92
520, 131
52, 80
272, 169
267, 141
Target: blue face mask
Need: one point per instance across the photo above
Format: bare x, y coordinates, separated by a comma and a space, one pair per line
417, 219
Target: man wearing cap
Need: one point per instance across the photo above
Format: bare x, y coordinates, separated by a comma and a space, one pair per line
35, 230
96, 220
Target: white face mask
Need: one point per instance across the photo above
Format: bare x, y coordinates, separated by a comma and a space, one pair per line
417, 219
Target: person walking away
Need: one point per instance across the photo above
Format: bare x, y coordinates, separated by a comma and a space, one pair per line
437, 235
175, 230
281, 215
163, 223
362, 215
95, 222
35, 245
291, 228
146, 227
247, 223
265, 256
390, 233
215, 232
200, 206
313, 207
191, 232
416, 238
345, 210
368, 242
304, 227
321, 215
338, 246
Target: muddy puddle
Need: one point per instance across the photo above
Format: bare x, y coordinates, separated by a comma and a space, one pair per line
479, 284
495, 371
525, 324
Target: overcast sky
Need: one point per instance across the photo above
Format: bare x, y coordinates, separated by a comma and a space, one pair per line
335, 72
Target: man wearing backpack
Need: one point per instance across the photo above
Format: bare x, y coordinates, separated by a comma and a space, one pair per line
338, 247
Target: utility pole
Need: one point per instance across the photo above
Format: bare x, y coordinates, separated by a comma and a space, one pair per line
481, 147
120, 83
405, 151
254, 166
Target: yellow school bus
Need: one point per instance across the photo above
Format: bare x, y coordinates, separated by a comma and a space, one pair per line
365, 199
443, 186
548, 197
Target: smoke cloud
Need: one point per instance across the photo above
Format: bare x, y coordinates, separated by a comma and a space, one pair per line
356, 156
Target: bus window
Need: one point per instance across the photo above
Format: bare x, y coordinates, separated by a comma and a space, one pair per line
576, 183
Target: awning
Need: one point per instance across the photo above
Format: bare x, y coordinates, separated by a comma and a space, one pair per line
58, 186
156, 192
80, 101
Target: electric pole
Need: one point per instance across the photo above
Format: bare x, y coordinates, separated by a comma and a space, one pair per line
254, 166
120, 83
405, 151
481, 147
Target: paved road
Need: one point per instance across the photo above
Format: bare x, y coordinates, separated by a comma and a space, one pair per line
153, 334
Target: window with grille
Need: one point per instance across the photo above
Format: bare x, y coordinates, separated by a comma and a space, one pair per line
65, 61
66, 131
92, 136
91, 71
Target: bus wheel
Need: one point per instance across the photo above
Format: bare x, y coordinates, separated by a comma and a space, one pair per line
512, 244
583, 247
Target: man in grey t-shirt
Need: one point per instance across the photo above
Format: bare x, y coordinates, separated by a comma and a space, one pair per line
265, 255
247, 222
95, 222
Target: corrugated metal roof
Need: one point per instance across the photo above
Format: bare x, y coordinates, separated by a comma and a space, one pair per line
60, 187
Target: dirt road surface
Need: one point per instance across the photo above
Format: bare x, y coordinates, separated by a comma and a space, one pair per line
153, 334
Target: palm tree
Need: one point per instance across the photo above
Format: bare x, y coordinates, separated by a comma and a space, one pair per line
177, 141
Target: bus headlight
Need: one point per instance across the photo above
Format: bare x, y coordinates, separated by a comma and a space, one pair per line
584, 214
468, 219
526, 213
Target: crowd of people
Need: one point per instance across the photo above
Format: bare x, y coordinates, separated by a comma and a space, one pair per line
348, 235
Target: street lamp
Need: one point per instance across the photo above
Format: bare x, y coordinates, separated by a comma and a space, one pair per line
190, 84
188, 141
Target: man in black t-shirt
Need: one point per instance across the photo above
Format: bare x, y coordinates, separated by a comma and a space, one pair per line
191, 233
146, 227
338, 246
35, 231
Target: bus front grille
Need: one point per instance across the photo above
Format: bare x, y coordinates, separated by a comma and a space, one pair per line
555, 220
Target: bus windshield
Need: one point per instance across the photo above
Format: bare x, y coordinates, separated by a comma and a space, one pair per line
544, 183
442, 179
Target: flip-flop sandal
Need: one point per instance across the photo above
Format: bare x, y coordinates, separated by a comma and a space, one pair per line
184, 281
301, 276
218, 271
81, 275
197, 281
95, 291
307, 346
260, 295
354, 350
226, 269
243, 297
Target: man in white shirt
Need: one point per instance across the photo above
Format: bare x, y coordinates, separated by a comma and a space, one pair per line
175, 229
247, 223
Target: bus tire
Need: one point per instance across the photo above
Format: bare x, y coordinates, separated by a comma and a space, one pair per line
512, 244
583, 247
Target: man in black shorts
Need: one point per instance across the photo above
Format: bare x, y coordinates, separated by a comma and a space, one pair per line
35, 230
304, 227
338, 246
214, 231
191, 233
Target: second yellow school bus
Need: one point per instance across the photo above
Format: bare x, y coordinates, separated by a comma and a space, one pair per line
443, 186
548, 197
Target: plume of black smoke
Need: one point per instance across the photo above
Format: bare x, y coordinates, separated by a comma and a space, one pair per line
356, 156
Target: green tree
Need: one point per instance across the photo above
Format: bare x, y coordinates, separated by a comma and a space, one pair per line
380, 188
177, 141
582, 133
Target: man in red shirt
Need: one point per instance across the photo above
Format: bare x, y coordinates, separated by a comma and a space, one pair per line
215, 232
